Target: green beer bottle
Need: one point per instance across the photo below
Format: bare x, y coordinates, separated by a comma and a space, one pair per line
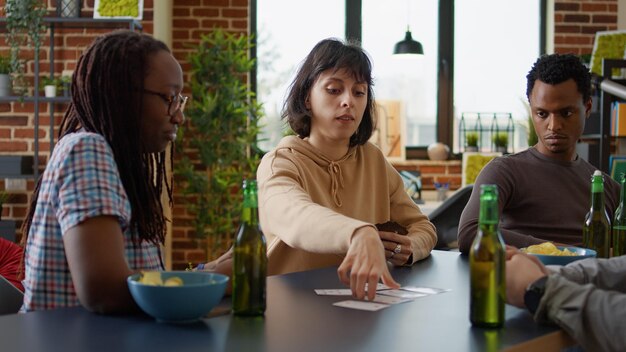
597, 228
487, 264
249, 258
619, 223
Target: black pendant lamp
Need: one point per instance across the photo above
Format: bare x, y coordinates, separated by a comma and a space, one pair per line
408, 45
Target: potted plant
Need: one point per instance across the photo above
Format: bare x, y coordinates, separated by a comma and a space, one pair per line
500, 141
471, 141
5, 76
51, 85
24, 23
221, 135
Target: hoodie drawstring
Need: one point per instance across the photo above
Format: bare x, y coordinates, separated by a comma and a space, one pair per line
336, 181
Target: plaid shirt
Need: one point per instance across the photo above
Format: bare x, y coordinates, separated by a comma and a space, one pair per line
81, 181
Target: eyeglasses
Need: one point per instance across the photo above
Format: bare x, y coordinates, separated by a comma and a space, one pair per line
175, 102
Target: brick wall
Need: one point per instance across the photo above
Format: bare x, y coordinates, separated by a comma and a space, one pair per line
576, 21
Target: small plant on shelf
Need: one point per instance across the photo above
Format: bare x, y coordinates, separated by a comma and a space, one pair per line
500, 141
471, 141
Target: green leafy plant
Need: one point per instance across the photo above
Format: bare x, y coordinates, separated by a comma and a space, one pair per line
500, 139
219, 143
471, 139
5, 65
24, 23
51, 81
532, 134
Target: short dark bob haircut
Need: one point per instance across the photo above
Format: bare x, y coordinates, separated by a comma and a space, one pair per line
336, 55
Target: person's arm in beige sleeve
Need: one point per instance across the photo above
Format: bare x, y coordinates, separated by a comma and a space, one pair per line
288, 212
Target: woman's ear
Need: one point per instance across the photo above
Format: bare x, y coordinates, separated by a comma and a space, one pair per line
307, 103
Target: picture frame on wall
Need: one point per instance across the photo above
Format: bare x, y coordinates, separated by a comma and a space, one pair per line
111, 9
388, 129
473, 163
608, 45
617, 165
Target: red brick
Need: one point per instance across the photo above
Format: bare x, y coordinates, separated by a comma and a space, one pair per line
593, 29
5, 107
220, 3
5, 133
205, 12
185, 23
181, 12
22, 133
13, 120
241, 3
571, 18
587, 7
235, 13
566, 29
604, 19
187, 3
566, 6
13, 146
76, 41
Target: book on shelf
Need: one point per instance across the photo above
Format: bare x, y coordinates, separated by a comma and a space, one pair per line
618, 119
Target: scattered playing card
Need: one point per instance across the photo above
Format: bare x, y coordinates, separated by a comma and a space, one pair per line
402, 294
334, 292
390, 299
362, 305
425, 290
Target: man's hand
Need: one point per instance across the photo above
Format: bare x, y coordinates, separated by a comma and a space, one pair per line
398, 248
521, 270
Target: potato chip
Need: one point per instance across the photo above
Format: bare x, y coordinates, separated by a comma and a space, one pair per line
173, 281
547, 248
151, 278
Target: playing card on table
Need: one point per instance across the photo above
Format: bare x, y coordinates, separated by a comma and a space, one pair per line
390, 299
361, 305
334, 292
425, 290
402, 294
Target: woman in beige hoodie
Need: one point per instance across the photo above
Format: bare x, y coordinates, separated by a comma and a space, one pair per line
322, 192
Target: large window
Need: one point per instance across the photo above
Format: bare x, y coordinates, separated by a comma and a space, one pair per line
495, 43
286, 32
492, 55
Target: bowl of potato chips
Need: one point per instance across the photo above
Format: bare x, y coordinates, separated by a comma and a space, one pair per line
177, 296
549, 254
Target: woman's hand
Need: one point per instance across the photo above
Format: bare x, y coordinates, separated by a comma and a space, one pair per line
398, 248
365, 264
521, 270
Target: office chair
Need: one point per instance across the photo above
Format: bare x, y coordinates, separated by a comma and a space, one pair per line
446, 218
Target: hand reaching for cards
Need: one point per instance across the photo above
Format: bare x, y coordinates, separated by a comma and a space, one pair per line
365, 263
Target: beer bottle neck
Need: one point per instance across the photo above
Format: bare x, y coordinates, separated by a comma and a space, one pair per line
250, 212
597, 193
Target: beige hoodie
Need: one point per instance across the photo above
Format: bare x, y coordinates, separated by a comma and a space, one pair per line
310, 206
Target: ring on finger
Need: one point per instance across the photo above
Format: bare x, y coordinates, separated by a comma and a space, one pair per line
398, 249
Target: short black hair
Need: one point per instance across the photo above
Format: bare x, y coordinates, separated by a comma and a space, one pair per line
558, 68
337, 55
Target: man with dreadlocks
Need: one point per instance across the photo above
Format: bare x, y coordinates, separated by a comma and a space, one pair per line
96, 215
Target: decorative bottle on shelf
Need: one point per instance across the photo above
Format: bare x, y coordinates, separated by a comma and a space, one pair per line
249, 258
487, 264
597, 226
619, 223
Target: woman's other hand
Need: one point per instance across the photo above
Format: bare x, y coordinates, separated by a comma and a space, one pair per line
521, 270
398, 248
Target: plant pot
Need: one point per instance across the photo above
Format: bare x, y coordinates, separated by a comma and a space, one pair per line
50, 91
471, 149
5, 85
68, 8
501, 150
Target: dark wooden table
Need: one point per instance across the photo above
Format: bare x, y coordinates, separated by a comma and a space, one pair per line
298, 320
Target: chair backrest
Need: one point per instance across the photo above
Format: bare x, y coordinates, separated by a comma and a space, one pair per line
446, 217
10, 297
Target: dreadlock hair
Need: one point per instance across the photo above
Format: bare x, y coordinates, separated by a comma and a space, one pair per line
330, 54
107, 99
558, 68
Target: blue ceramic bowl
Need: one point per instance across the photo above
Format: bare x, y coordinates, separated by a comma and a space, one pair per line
581, 253
199, 293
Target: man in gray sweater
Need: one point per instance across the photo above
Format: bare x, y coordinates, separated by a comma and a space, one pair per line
545, 191
586, 298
